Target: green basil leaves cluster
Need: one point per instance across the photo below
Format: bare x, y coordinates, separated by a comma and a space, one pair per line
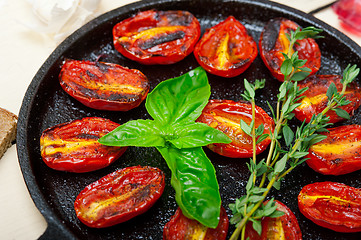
174, 105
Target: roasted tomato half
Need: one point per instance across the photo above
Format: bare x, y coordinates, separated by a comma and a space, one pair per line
273, 42
280, 228
315, 99
157, 37
226, 49
104, 86
183, 228
225, 115
339, 153
119, 196
332, 205
74, 147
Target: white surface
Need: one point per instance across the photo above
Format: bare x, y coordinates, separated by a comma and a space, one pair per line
305, 5
22, 52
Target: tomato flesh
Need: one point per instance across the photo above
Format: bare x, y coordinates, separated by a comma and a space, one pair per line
225, 115
74, 147
273, 42
315, 99
284, 227
157, 37
119, 196
104, 86
332, 205
339, 153
183, 228
226, 49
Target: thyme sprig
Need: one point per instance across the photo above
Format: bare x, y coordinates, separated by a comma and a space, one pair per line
249, 95
282, 160
336, 99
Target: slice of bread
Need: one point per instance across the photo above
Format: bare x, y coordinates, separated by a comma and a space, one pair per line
8, 123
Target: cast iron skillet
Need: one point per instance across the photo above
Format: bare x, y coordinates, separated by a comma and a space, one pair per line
46, 104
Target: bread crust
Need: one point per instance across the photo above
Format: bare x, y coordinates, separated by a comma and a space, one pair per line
8, 122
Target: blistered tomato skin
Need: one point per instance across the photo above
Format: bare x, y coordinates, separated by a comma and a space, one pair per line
183, 228
315, 99
339, 153
281, 228
74, 147
226, 49
157, 37
332, 205
119, 196
225, 115
273, 42
104, 86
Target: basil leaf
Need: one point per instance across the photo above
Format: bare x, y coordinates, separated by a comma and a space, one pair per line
179, 100
197, 135
138, 133
195, 183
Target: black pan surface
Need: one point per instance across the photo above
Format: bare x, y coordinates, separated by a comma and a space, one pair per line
46, 104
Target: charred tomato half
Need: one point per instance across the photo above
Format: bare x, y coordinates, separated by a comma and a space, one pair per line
183, 228
74, 147
284, 227
315, 99
226, 49
157, 37
339, 153
225, 115
273, 42
119, 196
332, 205
104, 86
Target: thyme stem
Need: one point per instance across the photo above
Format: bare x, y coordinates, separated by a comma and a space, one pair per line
242, 224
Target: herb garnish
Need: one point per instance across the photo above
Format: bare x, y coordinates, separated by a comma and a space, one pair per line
282, 160
174, 105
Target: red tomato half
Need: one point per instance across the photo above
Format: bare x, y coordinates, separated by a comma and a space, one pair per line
157, 37
226, 49
104, 86
225, 115
74, 147
281, 228
183, 228
339, 153
119, 196
273, 42
332, 205
315, 100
